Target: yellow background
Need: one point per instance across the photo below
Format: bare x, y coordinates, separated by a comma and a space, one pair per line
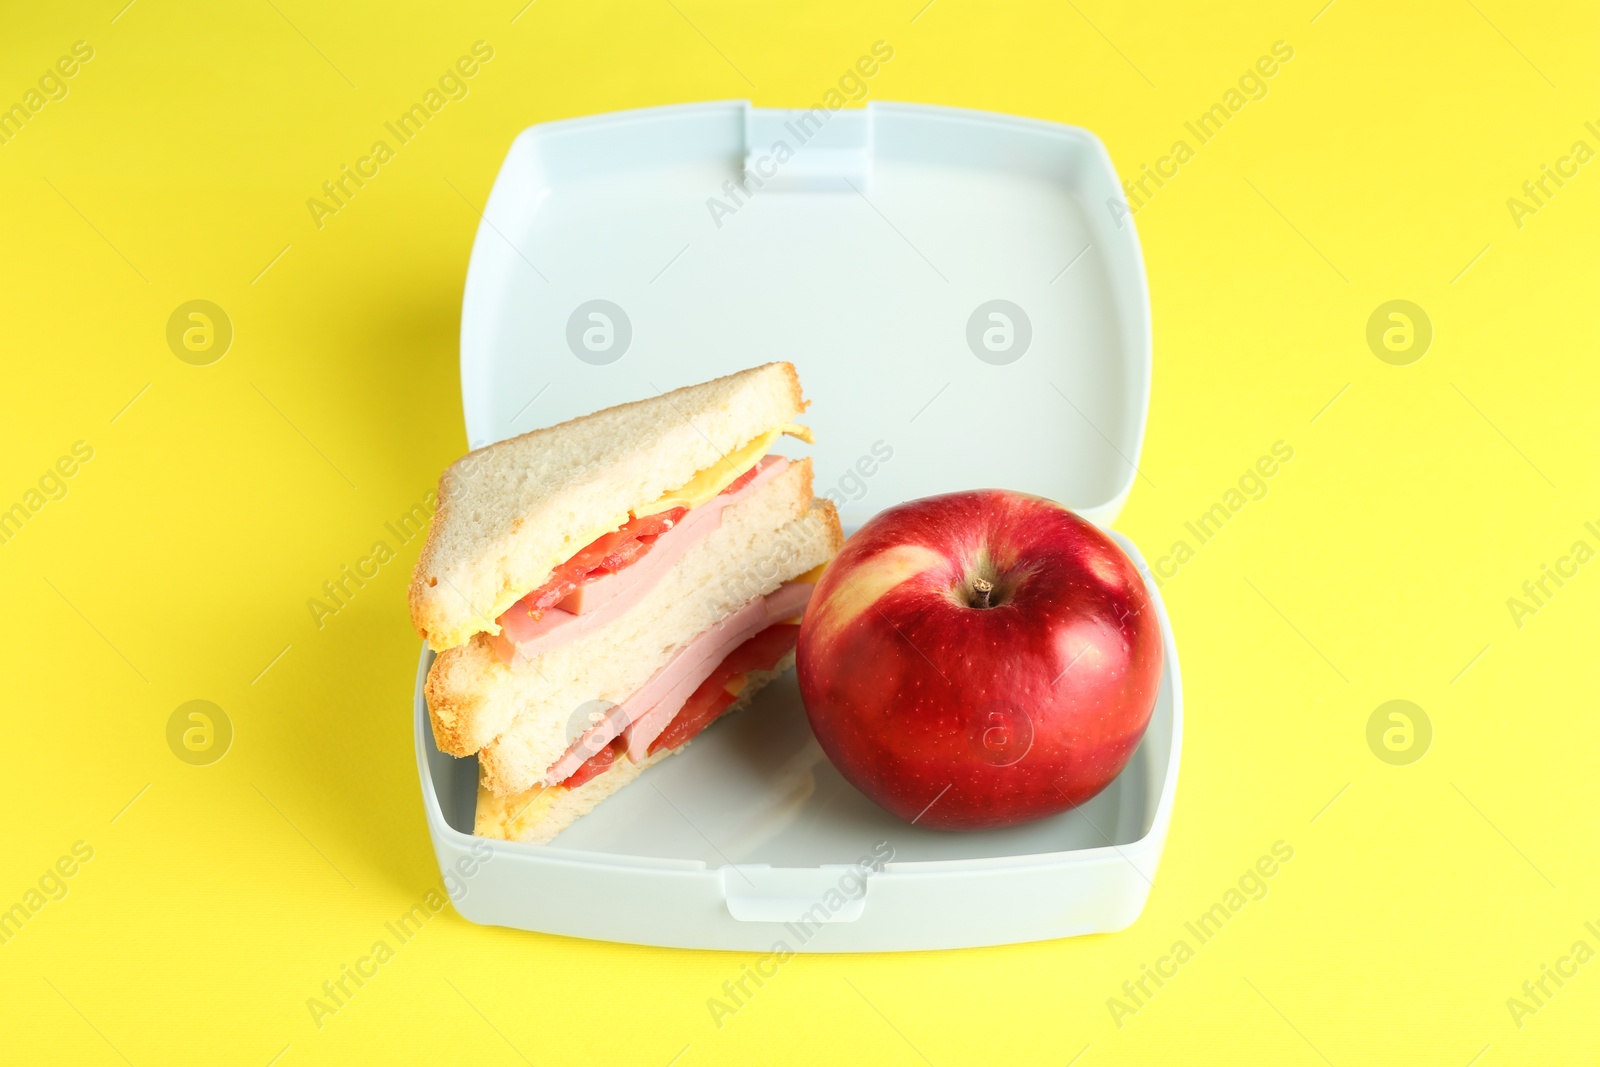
1377, 567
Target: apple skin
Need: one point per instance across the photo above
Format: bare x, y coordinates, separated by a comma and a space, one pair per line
961, 717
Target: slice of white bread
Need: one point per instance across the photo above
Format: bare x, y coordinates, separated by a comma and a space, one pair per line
510, 513
540, 813
474, 696
543, 698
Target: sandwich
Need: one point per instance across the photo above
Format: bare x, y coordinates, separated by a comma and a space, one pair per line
600, 591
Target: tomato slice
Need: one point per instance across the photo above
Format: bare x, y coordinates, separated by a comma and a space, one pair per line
707, 703
609, 553
741, 481
606, 554
763, 651
704, 707
596, 763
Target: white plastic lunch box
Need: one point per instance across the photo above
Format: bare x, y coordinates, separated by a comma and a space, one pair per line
964, 297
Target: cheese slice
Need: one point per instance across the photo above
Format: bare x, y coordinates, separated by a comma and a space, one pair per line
714, 479
812, 576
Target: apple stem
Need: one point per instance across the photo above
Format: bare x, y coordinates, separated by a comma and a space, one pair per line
983, 587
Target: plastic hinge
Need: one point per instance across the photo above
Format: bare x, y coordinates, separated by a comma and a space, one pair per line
807, 151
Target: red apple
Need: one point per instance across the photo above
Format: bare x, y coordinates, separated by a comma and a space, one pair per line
979, 659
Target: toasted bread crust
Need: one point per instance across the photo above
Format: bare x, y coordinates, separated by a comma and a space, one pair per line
456, 692
831, 528
504, 513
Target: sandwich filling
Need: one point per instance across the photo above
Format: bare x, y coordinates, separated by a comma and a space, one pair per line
764, 652
608, 577
602, 580
634, 725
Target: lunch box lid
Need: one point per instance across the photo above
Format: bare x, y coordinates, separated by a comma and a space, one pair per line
962, 293
964, 298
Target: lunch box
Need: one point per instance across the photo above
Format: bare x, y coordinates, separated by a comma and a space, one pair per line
964, 297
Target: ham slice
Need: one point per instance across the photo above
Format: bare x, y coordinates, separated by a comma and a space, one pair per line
606, 599
788, 600
727, 683
648, 710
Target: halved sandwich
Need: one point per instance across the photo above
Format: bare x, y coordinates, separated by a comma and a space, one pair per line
600, 591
